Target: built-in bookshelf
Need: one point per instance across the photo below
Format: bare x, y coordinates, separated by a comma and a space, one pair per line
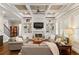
50, 25
27, 25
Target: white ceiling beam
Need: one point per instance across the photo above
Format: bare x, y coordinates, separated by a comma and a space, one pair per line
46, 3
68, 10
50, 5
60, 10
10, 9
63, 9
31, 3
16, 11
18, 3
48, 9
29, 9
38, 3
71, 11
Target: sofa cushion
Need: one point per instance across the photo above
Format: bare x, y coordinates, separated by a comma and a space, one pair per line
19, 39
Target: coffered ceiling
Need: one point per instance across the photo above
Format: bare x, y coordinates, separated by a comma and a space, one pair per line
18, 11
40, 8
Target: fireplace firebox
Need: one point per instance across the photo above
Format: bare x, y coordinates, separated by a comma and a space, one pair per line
38, 35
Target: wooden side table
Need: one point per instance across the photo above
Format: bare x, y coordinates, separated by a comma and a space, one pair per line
65, 49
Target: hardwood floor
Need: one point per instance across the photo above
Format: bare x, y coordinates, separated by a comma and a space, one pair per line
5, 51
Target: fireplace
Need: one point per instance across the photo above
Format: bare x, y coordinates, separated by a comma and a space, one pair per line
37, 39
38, 35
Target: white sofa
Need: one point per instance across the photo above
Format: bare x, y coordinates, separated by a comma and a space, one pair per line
15, 43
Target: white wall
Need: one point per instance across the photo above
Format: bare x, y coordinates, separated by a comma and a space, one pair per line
70, 20
2, 22
63, 24
6, 38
